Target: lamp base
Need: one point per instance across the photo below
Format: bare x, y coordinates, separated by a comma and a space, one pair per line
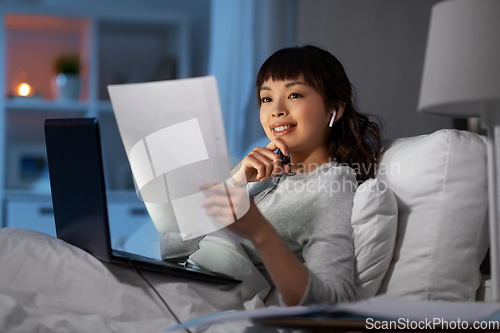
490, 120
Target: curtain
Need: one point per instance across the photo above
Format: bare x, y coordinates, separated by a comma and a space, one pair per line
243, 33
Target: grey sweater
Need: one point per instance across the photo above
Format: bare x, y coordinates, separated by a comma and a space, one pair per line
312, 213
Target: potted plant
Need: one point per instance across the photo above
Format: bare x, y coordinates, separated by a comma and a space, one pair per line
68, 82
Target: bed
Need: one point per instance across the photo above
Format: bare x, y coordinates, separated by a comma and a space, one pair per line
419, 228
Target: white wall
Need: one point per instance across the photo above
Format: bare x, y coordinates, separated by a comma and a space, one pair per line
381, 45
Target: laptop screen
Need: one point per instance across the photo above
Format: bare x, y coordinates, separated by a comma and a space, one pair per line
77, 183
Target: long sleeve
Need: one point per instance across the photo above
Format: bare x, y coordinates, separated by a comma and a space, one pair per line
324, 231
312, 214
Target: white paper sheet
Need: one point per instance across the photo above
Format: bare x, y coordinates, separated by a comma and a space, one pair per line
173, 132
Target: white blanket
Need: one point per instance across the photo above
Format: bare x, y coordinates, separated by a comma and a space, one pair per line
47, 285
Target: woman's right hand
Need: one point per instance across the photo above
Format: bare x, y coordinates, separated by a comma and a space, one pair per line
261, 163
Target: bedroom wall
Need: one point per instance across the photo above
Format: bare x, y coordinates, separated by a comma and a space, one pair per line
382, 46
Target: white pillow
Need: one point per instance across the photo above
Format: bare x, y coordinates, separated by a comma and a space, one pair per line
439, 181
374, 223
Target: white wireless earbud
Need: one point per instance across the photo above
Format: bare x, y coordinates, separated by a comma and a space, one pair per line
333, 117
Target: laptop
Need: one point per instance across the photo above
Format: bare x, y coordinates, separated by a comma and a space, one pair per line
79, 199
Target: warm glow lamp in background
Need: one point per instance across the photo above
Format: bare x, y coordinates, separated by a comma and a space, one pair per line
461, 78
21, 86
24, 89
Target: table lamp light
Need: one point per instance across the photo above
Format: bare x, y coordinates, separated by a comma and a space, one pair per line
461, 78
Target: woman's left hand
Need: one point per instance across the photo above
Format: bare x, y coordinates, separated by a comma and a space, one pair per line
237, 208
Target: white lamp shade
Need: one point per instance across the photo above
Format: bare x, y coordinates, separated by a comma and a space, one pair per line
462, 60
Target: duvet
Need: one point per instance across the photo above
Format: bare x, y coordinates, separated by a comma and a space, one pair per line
47, 285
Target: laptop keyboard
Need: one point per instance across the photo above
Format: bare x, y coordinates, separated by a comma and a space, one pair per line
189, 265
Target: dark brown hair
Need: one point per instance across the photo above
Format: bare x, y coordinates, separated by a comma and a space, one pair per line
354, 139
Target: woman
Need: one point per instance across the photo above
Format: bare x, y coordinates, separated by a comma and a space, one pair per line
297, 230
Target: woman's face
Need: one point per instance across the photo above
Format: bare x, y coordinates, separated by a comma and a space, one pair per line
294, 112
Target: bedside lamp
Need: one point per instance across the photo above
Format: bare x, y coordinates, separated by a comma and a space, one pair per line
461, 78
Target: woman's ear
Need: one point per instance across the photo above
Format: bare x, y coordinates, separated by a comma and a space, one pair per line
340, 110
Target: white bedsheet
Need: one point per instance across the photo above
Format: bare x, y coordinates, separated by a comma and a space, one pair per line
47, 285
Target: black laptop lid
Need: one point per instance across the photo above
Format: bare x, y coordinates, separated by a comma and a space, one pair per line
77, 183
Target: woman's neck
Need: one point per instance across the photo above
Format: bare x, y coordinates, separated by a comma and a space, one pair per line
308, 162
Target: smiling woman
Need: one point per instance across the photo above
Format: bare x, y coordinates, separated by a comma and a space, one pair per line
295, 113
297, 229
316, 75
302, 238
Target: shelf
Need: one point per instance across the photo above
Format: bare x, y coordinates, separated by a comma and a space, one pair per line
35, 195
25, 124
122, 196
34, 104
113, 49
136, 52
34, 42
27, 195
